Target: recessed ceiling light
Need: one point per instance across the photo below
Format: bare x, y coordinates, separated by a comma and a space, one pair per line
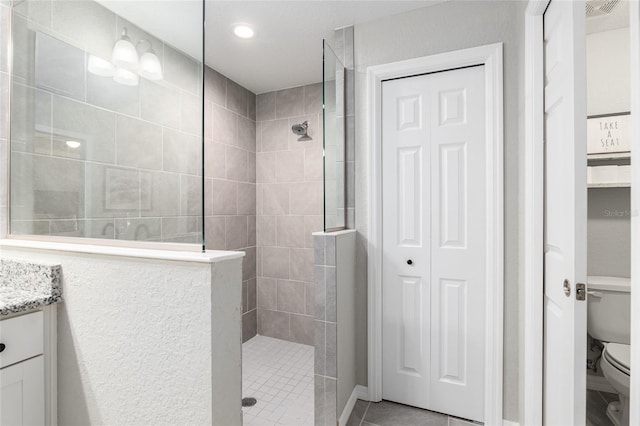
243, 31
73, 144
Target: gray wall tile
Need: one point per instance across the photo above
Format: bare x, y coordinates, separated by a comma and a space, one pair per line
224, 125
290, 166
215, 87
302, 329
266, 106
237, 98
190, 195
181, 70
246, 134
251, 293
94, 128
106, 93
289, 102
215, 159
267, 293
87, 23
306, 198
249, 325
191, 110
249, 263
313, 99
236, 232
266, 230
273, 323
275, 199
246, 198
290, 296
215, 232
160, 103
138, 143
331, 336
224, 197
181, 152
59, 67
159, 194
251, 105
46, 187
274, 135
290, 231
236, 165
266, 167
251, 226
301, 267
275, 262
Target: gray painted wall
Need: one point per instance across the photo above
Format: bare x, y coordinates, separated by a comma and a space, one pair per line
441, 28
609, 232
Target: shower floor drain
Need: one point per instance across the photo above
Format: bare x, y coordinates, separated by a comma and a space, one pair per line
249, 402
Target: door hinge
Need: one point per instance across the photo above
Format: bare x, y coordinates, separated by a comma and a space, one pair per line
581, 291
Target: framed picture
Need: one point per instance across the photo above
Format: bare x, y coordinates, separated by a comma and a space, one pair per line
127, 189
609, 133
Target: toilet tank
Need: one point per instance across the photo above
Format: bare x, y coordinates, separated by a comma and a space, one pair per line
609, 309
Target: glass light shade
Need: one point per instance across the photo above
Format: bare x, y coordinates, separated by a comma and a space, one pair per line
101, 67
150, 67
125, 77
124, 54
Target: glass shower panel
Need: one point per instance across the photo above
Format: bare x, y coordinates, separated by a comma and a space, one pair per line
333, 90
106, 120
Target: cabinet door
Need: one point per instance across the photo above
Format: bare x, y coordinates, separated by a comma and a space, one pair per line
22, 393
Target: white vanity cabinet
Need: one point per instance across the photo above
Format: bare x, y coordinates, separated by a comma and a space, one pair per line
27, 371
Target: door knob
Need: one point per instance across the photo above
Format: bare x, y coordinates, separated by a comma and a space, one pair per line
2, 346
566, 286
409, 262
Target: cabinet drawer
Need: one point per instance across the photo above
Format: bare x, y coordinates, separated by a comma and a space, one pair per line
23, 338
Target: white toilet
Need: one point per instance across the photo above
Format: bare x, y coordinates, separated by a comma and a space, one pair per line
609, 321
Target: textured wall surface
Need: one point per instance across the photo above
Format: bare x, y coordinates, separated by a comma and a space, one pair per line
5, 12
230, 180
136, 341
446, 27
290, 207
135, 174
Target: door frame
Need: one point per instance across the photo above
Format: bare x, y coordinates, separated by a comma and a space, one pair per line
533, 315
491, 57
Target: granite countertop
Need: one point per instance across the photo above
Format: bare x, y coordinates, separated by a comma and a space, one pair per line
25, 285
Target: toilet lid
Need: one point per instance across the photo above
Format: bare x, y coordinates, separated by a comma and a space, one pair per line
620, 356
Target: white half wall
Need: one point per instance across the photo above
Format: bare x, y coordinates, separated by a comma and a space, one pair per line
146, 341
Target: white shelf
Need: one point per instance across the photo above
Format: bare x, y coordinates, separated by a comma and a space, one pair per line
609, 156
610, 185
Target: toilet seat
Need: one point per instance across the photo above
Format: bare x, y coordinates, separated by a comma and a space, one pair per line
619, 356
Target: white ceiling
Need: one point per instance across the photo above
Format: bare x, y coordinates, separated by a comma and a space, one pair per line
287, 48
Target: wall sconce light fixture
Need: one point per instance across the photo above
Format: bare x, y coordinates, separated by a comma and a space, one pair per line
126, 65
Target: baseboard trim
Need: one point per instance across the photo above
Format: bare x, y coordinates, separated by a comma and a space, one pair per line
359, 392
599, 383
362, 392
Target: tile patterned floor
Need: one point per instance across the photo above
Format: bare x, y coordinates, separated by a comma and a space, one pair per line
279, 374
597, 407
388, 413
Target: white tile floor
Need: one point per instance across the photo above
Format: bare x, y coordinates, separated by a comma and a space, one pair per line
279, 374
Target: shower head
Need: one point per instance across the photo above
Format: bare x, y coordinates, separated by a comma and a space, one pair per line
301, 130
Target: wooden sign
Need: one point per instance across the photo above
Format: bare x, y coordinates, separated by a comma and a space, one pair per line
609, 133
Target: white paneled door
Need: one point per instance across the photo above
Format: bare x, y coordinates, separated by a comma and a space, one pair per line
565, 248
434, 241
